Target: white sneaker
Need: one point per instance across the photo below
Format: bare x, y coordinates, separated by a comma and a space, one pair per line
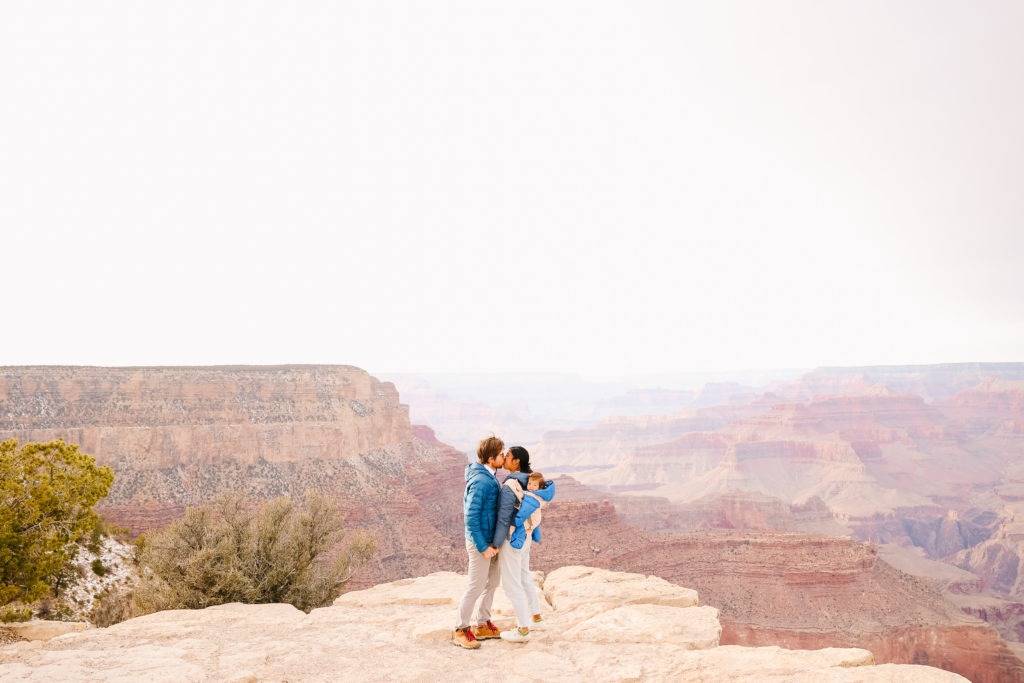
538, 624
515, 636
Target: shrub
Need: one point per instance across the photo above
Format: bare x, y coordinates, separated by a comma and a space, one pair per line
105, 528
97, 567
95, 542
141, 546
113, 607
228, 552
59, 611
45, 608
117, 532
12, 614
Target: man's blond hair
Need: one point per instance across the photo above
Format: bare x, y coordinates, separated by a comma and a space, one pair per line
489, 448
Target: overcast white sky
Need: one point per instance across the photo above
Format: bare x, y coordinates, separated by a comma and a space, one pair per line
591, 187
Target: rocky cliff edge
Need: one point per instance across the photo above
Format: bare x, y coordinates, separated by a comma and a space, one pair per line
602, 626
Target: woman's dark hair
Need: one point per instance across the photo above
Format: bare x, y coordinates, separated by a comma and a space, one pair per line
523, 456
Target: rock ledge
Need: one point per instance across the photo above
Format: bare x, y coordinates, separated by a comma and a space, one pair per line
601, 626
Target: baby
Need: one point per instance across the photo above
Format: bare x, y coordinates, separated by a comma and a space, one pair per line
538, 493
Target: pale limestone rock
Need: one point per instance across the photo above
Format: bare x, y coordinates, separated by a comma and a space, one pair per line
401, 631
737, 664
45, 630
435, 589
695, 628
569, 587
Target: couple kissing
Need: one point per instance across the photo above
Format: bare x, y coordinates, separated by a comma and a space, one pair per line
502, 522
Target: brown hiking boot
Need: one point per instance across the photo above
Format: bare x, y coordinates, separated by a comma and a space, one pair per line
463, 637
486, 630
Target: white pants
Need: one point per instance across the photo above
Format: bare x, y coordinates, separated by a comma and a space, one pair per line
531, 588
518, 582
483, 580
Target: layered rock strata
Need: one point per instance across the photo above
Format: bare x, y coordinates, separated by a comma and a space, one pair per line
859, 440
175, 437
917, 456
172, 416
861, 455
603, 626
167, 432
792, 589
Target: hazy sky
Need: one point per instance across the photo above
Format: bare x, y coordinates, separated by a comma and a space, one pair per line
580, 186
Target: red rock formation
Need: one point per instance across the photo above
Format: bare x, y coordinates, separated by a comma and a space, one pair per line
168, 417
1005, 616
971, 652
931, 382
999, 560
863, 454
177, 436
731, 510
799, 590
994, 406
914, 455
614, 438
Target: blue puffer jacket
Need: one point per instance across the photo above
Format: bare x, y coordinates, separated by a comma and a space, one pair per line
527, 508
507, 503
480, 505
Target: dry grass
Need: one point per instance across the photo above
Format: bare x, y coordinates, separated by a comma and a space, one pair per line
8, 636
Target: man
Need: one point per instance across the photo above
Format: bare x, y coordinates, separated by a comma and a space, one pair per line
480, 507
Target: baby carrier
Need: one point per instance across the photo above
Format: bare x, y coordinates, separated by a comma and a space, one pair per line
533, 520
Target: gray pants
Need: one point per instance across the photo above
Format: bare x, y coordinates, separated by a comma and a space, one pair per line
484, 577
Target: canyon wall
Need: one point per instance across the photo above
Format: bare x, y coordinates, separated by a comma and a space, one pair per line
795, 589
915, 456
175, 437
172, 416
862, 455
865, 441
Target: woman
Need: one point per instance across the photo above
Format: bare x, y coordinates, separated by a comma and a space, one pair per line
515, 562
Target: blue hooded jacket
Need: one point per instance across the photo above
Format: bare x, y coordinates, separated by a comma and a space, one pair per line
527, 508
480, 505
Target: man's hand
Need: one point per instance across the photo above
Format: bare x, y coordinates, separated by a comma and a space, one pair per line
490, 552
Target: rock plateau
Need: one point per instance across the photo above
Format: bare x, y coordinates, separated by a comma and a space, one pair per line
603, 626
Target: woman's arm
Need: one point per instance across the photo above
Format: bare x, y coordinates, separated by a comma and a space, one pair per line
506, 509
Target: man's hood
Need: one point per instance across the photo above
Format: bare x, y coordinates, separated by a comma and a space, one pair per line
475, 469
